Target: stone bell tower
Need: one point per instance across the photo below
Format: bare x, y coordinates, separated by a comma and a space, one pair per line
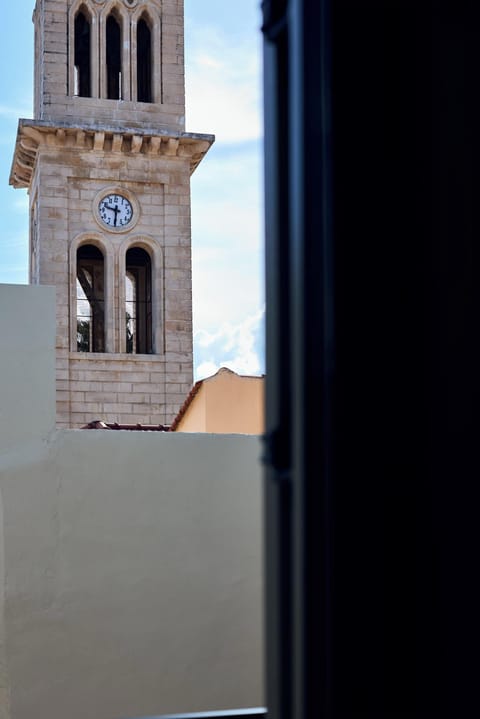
107, 164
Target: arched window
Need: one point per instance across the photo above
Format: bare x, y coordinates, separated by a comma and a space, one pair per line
90, 299
138, 302
114, 59
144, 61
82, 78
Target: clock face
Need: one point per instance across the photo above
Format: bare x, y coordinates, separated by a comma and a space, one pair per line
115, 211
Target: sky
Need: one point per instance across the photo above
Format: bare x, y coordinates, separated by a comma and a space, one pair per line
223, 94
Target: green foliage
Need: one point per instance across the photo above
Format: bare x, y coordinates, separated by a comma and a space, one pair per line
83, 335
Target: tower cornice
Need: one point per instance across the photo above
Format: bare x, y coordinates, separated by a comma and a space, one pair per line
32, 135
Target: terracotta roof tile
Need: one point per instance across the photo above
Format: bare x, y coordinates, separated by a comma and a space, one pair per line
99, 424
190, 397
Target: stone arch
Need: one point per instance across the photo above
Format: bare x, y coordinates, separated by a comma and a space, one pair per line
118, 11
105, 246
153, 16
154, 250
91, 13
144, 60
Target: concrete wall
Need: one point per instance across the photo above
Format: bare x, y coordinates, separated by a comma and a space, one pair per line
130, 572
27, 363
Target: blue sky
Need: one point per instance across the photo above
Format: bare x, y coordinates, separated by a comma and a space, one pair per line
223, 60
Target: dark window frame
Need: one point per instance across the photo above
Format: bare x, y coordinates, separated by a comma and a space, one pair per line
113, 56
138, 264
82, 53
90, 259
144, 60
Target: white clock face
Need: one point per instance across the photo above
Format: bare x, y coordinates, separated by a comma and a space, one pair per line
115, 211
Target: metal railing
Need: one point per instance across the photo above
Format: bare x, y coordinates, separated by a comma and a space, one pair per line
256, 713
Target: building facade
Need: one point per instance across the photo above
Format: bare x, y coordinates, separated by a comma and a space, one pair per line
225, 403
107, 164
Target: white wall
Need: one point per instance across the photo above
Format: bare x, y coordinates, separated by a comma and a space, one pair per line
27, 363
132, 570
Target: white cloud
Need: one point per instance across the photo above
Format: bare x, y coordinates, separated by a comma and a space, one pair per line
222, 83
227, 286
227, 236
206, 369
239, 347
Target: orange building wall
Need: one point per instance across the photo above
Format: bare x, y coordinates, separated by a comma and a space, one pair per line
226, 403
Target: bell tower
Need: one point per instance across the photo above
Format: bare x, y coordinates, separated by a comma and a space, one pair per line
107, 164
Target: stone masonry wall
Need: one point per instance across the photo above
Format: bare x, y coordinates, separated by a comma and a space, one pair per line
54, 98
115, 386
83, 148
141, 389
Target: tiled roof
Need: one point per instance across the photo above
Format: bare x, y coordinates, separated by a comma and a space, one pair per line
181, 412
99, 424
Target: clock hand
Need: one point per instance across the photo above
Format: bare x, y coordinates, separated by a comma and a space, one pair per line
116, 211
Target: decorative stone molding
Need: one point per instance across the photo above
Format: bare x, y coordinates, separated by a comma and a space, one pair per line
131, 4
34, 134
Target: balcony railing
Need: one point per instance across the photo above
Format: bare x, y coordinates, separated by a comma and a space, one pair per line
257, 713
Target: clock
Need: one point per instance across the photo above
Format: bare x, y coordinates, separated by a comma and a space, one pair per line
115, 211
